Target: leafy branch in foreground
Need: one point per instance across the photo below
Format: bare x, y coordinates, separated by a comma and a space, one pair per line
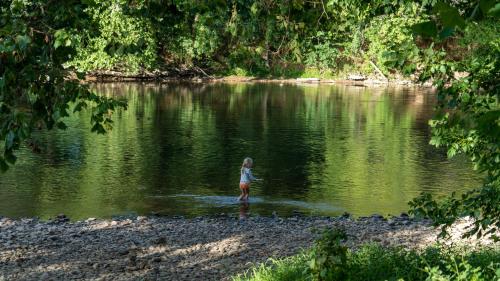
36, 39
467, 119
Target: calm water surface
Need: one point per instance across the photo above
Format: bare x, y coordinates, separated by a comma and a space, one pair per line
177, 150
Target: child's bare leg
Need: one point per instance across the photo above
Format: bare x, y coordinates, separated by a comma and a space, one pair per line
242, 195
247, 193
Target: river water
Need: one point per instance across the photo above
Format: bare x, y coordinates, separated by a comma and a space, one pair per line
177, 150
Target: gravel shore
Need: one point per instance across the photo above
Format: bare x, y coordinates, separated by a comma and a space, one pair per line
161, 248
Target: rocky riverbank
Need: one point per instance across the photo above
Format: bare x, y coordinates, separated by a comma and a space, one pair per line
160, 248
198, 75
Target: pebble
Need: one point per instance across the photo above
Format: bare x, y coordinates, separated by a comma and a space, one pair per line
205, 248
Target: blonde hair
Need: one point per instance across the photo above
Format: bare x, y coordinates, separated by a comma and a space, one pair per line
246, 162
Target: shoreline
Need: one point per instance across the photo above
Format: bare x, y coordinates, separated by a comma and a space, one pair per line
167, 77
175, 248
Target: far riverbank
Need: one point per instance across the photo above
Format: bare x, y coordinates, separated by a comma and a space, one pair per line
197, 76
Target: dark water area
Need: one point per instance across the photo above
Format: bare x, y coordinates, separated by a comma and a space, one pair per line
177, 150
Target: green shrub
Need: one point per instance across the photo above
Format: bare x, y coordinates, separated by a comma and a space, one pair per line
123, 42
328, 257
330, 260
287, 269
390, 42
320, 51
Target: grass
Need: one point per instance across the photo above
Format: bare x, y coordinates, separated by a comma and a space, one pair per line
373, 262
287, 269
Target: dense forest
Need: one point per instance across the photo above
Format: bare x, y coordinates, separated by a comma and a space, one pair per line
277, 38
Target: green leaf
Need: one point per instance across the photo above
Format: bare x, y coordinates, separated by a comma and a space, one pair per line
449, 16
442, 68
57, 43
486, 5
495, 11
23, 41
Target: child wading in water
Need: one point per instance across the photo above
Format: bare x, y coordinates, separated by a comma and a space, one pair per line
246, 178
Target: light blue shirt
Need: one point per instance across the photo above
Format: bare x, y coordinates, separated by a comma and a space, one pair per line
246, 176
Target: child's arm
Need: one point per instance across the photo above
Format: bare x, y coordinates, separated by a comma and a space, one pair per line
251, 177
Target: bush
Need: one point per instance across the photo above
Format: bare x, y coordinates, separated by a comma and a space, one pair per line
467, 119
328, 257
330, 260
123, 42
320, 51
391, 44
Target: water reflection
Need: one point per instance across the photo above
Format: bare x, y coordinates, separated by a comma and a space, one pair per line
329, 148
244, 210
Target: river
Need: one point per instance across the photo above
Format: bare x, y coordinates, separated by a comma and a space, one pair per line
177, 150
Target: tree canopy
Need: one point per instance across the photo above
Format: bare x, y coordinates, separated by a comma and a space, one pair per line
36, 90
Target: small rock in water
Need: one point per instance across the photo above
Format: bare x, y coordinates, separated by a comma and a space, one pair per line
61, 218
356, 77
377, 216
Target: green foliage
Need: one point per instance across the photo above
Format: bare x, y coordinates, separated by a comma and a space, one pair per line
374, 262
257, 38
115, 39
329, 257
321, 52
468, 122
36, 39
260, 37
390, 41
288, 269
